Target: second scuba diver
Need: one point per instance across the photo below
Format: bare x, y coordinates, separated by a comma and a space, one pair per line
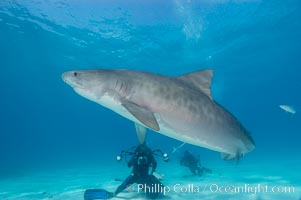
193, 163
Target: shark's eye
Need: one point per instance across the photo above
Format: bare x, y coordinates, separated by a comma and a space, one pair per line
75, 73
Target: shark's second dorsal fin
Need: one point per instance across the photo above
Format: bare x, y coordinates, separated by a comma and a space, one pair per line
199, 79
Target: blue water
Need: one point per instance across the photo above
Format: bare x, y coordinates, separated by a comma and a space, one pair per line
253, 46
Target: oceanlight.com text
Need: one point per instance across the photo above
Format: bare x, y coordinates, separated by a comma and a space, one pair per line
215, 188
252, 189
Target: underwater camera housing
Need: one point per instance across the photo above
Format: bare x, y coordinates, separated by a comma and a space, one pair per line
119, 157
142, 160
131, 151
163, 155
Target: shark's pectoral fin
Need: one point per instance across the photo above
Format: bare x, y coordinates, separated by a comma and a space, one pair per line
141, 131
143, 115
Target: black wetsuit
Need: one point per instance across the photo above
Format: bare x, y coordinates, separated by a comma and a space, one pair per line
141, 162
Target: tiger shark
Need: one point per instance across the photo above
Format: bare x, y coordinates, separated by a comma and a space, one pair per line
179, 107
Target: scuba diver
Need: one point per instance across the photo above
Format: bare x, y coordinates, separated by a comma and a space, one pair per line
142, 160
193, 163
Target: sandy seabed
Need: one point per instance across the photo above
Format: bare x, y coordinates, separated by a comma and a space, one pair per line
263, 181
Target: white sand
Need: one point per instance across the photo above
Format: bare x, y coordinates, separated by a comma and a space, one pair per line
71, 183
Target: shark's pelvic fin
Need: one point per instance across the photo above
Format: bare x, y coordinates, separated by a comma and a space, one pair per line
141, 133
145, 116
226, 156
199, 79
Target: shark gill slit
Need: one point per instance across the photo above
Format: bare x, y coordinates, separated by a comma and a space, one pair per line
121, 85
116, 83
126, 88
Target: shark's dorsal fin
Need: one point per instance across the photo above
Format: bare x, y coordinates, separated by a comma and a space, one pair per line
143, 115
199, 79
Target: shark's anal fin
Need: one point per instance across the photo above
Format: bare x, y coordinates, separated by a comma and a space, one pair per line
237, 156
226, 156
143, 115
141, 131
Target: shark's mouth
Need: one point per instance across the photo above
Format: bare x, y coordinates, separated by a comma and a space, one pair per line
74, 84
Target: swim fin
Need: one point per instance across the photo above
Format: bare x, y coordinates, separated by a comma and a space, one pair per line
92, 194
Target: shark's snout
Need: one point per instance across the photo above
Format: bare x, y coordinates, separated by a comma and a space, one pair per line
72, 79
